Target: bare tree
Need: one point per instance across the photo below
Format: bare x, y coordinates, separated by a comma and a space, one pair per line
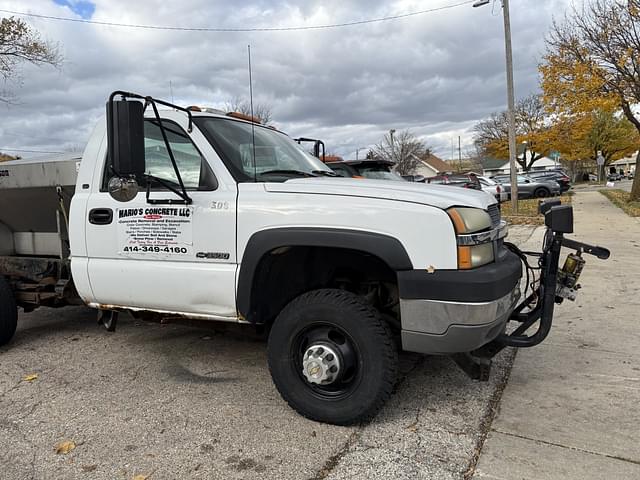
262, 111
19, 43
405, 151
491, 135
593, 55
490, 131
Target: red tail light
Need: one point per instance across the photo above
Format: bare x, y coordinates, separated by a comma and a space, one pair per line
498, 189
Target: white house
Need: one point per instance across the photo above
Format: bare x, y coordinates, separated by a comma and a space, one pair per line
627, 164
430, 166
544, 163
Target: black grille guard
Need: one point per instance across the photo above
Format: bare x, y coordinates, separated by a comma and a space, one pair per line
539, 306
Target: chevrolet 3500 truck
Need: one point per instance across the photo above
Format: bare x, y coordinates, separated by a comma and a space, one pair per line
174, 213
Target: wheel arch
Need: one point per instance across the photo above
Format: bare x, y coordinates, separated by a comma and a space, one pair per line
261, 244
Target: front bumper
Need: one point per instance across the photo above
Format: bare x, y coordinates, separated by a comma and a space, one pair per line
455, 311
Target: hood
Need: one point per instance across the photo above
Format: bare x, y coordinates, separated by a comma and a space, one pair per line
440, 196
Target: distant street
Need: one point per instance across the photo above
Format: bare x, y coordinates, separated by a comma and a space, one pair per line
623, 184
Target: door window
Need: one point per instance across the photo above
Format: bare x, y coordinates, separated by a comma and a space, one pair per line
194, 170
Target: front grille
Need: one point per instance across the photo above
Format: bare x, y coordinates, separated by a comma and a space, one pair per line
494, 213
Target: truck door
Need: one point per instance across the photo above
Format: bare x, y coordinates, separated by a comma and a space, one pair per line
165, 256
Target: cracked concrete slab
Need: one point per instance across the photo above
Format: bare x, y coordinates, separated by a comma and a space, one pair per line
570, 408
514, 458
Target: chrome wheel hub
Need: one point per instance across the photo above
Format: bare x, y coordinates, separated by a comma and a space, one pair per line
320, 365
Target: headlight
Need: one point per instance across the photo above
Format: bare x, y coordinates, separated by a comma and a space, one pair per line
469, 220
474, 256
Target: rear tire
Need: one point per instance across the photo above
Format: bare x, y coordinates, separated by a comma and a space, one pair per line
8, 312
340, 325
541, 193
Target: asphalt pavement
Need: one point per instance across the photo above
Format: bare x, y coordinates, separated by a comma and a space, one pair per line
170, 401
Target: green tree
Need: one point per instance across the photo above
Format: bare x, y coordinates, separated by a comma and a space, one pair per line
19, 43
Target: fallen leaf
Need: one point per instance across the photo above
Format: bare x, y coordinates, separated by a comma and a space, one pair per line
30, 378
88, 468
65, 447
141, 477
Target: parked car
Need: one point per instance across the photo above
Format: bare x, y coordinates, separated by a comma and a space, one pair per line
457, 180
374, 169
529, 187
494, 188
615, 177
558, 175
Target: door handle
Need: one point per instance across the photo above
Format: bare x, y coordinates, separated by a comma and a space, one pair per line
100, 216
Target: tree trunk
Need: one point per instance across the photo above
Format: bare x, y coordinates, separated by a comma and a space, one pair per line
635, 188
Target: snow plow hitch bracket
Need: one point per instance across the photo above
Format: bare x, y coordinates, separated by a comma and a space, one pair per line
553, 286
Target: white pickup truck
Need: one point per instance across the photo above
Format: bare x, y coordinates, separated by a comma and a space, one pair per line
180, 212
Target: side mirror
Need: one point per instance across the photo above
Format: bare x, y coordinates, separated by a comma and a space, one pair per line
125, 137
526, 180
123, 189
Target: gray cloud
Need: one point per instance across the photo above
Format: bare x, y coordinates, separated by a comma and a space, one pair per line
436, 74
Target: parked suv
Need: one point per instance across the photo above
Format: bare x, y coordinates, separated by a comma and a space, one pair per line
558, 175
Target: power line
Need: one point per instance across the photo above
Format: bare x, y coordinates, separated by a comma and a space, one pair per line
227, 30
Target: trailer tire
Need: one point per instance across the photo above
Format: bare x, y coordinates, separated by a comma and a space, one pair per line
342, 339
8, 312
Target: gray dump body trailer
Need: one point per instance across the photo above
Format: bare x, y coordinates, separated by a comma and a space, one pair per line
35, 197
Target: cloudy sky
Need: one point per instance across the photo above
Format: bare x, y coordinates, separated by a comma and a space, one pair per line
435, 73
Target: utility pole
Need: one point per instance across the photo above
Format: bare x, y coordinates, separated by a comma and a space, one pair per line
511, 108
510, 102
393, 145
459, 155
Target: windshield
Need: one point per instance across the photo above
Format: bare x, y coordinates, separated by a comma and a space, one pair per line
274, 156
378, 172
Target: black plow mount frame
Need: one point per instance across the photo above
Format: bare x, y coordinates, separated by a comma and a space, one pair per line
539, 305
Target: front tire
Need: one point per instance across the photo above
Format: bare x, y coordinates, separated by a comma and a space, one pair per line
8, 312
332, 357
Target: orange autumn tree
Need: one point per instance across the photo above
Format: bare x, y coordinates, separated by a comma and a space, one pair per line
579, 137
592, 64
